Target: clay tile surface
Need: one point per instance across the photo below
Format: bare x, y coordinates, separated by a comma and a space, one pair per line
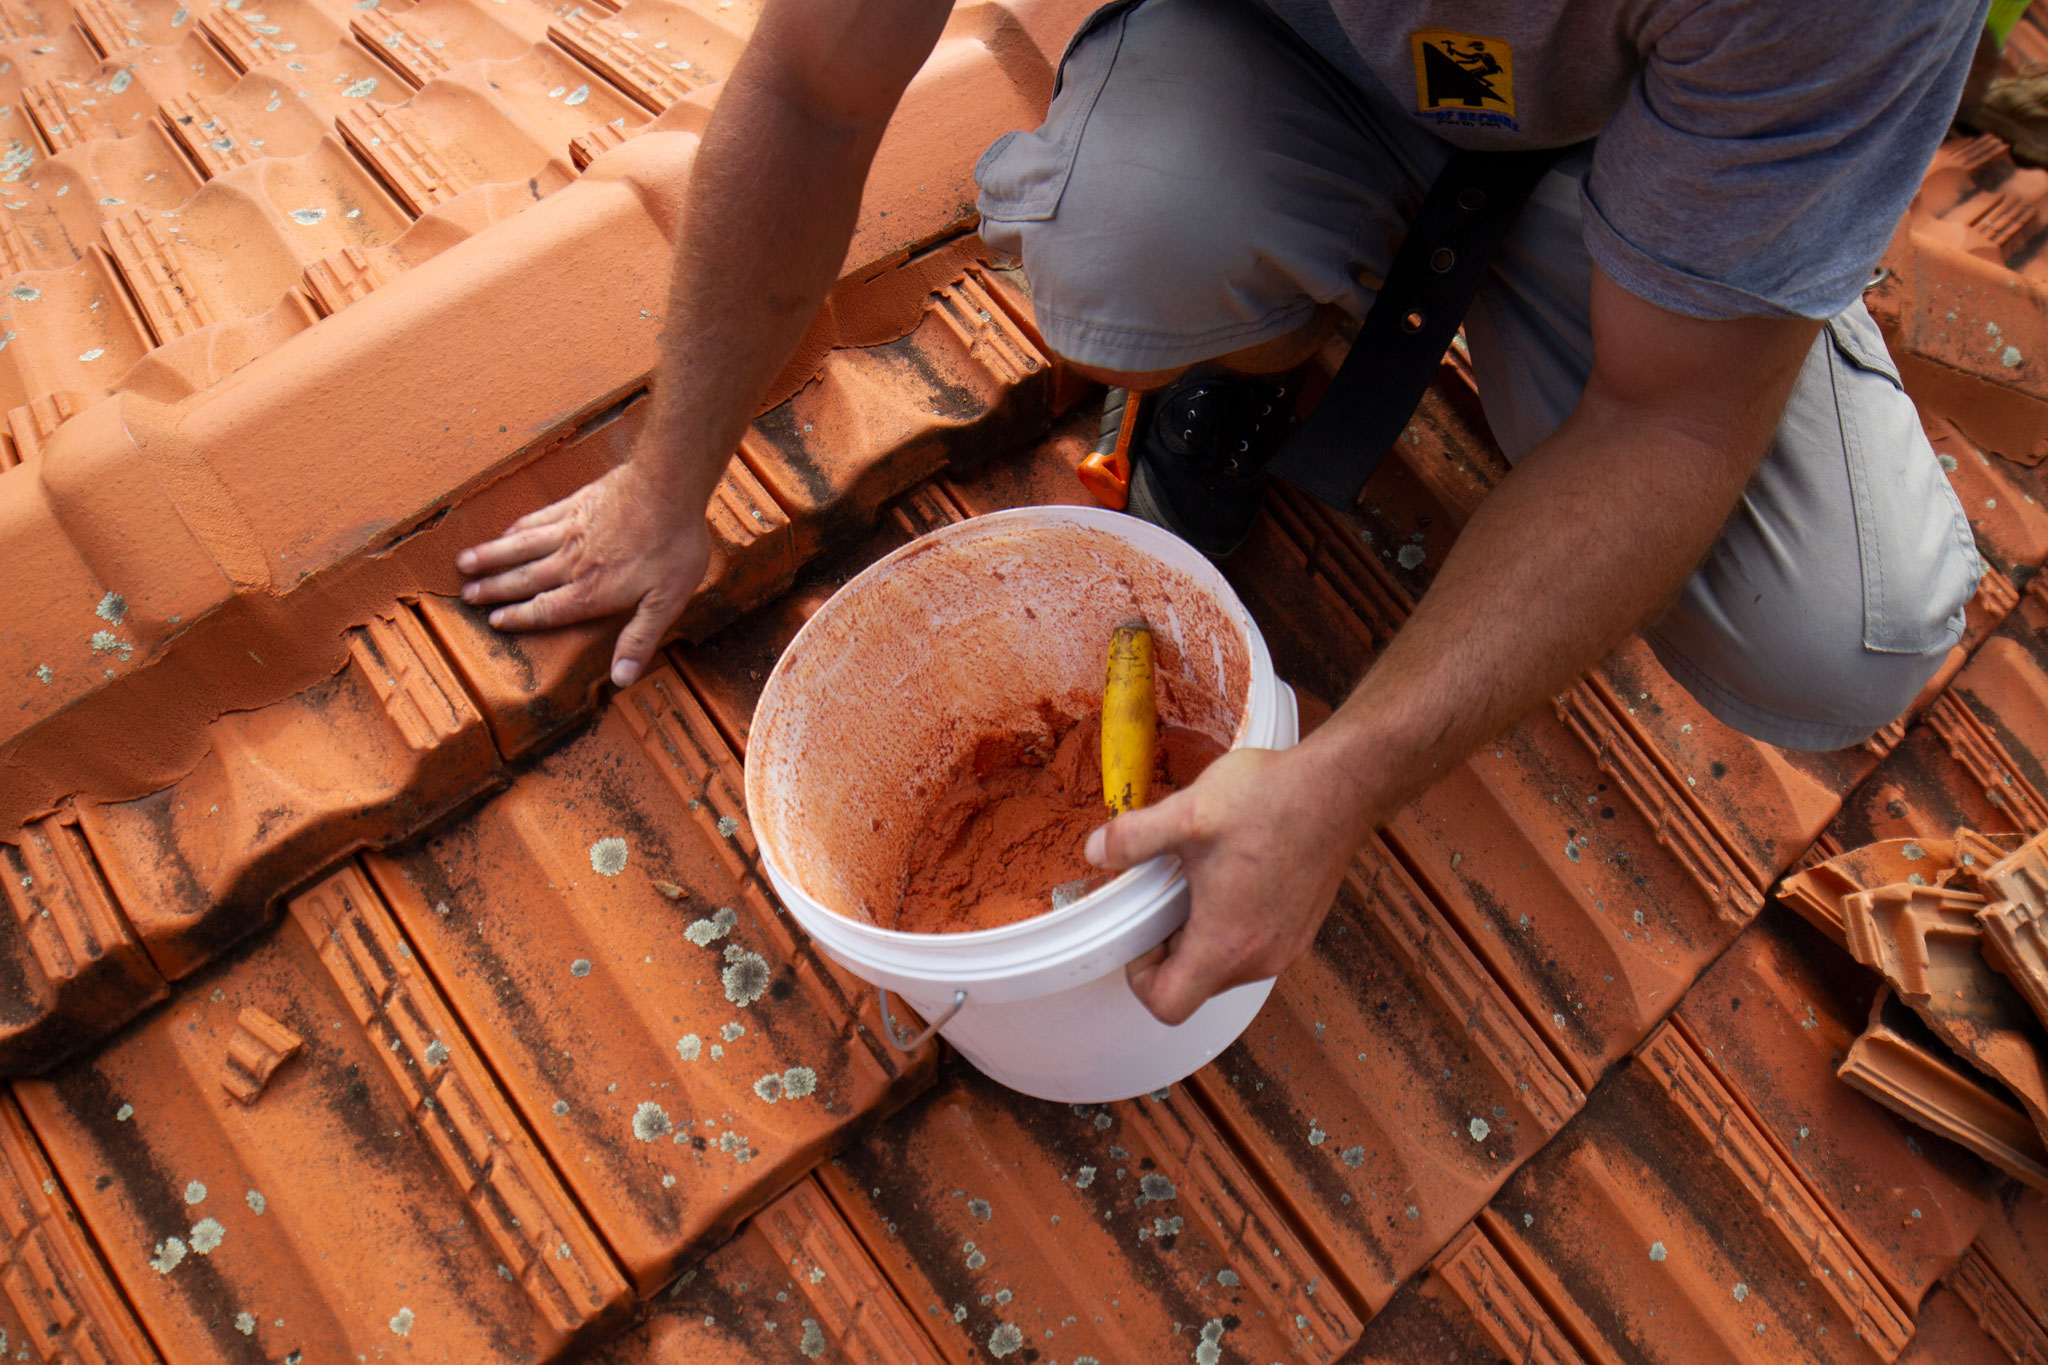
1673, 1228
1899, 1062
1772, 1019
1121, 1231
375, 982
681, 1051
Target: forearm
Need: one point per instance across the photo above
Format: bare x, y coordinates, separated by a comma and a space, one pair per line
773, 198
1585, 541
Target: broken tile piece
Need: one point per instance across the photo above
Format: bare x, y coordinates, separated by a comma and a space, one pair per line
1898, 1062
259, 1047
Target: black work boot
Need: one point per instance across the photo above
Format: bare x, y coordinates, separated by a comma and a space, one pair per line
1198, 461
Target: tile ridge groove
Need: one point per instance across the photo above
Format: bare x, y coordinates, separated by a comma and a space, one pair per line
1742, 1102
1802, 1220
1568, 1063
874, 1254
669, 746
621, 62
43, 1241
1590, 710
383, 139
2000, 1312
818, 1238
1479, 1275
1976, 747
1551, 1295
1267, 1229
1484, 1028
77, 935
553, 1248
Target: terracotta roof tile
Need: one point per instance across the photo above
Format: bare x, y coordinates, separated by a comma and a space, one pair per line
1670, 1225
60, 1300
1472, 1307
794, 1285
1390, 1085
380, 1185
647, 985
1772, 1019
462, 1051
1123, 1231
1948, 1334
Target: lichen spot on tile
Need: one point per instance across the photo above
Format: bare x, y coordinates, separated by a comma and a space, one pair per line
728, 826
27, 293
608, 856
308, 217
1209, 1350
769, 1087
1410, 556
1084, 1178
124, 1113
206, 1235
1227, 1278
169, 1255
690, 1047
745, 976
401, 1323
799, 1082
2010, 357
257, 1203
1154, 1188
1657, 1252
113, 609
1479, 1128
980, 1210
1006, 1340
812, 1343
437, 1053
1741, 1291
705, 932
976, 1257
195, 1192
1354, 1157
733, 1031
580, 967
45, 674
650, 1121
1316, 1135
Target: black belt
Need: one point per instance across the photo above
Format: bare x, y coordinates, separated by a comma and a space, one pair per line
1463, 220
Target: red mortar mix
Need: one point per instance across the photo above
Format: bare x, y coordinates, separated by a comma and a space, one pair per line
1011, 826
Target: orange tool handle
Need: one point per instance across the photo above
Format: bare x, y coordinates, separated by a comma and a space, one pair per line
1108, 477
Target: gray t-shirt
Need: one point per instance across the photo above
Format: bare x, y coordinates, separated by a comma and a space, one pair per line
1754, 156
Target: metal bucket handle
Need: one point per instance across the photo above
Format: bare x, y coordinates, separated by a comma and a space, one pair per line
894, 1032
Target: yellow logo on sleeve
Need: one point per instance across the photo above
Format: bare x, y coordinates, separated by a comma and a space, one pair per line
1464, 78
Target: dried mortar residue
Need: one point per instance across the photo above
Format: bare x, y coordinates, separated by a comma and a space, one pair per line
971, 632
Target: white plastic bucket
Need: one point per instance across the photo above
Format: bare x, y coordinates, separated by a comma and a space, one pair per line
874, 702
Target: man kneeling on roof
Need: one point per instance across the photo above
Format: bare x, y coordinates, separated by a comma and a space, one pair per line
1709, 442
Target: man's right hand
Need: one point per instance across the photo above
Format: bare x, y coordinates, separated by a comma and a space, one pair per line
619, 543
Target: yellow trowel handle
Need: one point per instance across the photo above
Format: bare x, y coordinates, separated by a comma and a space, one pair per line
1130, 720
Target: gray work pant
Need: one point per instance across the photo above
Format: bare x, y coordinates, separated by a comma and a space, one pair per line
1203, 182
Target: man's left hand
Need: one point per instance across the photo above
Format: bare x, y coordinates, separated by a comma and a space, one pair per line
1264, 837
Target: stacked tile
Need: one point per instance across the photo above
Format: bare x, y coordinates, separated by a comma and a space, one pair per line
1956, 1038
